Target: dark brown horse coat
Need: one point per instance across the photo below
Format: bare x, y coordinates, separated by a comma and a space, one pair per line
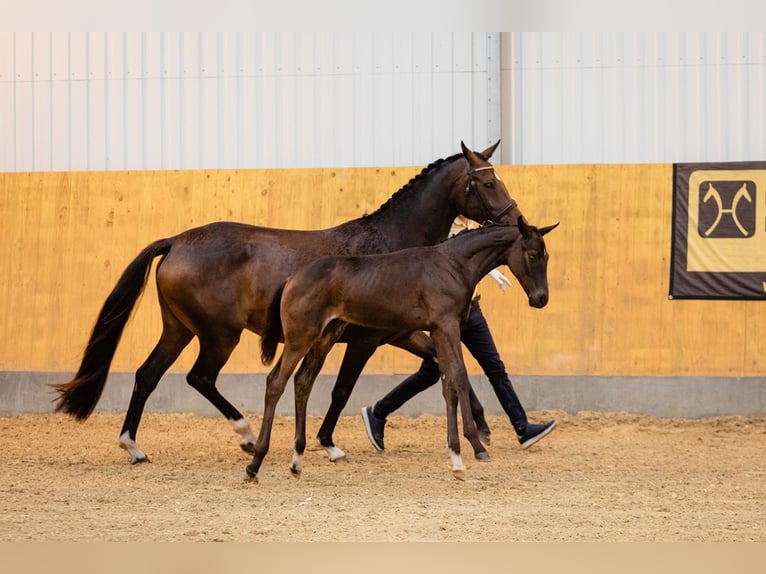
217, 280
427, 288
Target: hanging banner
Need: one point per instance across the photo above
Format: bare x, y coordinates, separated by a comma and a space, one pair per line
719, 231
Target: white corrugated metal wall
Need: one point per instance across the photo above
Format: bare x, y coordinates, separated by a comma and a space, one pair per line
633, 97
101, 101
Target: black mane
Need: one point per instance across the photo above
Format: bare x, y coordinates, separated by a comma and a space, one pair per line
435, 165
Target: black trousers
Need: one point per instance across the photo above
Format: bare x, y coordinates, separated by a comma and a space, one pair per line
477, 338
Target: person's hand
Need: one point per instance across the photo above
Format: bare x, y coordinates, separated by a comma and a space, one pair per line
501, 279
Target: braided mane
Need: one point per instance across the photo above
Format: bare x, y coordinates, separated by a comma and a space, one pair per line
435, 165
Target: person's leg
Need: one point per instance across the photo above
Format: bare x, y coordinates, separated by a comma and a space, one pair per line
426, 376
375, 417
477, 338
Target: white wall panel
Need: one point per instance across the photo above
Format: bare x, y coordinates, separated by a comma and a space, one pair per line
182, 100
633, 97
7, 102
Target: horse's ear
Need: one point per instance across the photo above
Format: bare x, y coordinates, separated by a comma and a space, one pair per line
523, 227
467, 153
490, 150
544, 230
473, 160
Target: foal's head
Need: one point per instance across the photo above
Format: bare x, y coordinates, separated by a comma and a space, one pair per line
528, 260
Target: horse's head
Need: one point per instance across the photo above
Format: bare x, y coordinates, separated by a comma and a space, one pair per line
527, 259
486, 198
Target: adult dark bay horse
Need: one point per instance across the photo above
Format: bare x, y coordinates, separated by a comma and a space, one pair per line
217, 280
432, 292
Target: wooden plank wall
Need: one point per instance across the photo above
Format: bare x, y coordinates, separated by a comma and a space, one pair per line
66, 237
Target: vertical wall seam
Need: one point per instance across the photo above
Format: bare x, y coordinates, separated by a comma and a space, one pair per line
87, 101
494, 104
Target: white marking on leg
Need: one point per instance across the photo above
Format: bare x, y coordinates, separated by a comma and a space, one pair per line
458, 470
136, 454
297, 464
457, 460
334, 453
242, 428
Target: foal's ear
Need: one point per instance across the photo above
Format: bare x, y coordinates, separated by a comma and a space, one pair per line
544, 230
523, 227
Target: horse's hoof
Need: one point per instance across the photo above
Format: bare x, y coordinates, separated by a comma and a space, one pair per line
295, 471
334, 453
141, 460
459, 474
248, 447
251, 479
484, 437
482, 456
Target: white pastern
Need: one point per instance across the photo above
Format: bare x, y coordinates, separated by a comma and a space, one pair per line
457, 460
297, 464
136, 454
334, 453
242, 428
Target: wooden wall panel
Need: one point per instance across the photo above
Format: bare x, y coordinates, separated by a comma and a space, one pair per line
66, 238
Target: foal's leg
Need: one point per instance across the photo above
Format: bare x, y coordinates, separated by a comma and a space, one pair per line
304, 382
276, 381
213, 354
455, 376
453, 437
172, 341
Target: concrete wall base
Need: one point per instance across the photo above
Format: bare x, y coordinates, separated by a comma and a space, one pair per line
685, 397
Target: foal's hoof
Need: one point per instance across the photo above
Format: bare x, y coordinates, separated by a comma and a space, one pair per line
482, 456
296, 472
248, 447
459, 474
484, 437
141, 460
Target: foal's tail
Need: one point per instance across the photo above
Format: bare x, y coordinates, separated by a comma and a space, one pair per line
79, 396
273, 331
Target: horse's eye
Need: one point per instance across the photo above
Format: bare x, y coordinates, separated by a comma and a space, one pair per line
489, 184
532, 257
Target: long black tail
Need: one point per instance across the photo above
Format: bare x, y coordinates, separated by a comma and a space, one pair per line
79, 396
272, 334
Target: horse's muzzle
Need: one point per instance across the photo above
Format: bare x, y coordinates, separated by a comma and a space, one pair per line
538, 300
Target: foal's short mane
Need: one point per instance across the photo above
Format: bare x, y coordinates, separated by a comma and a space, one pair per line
485, 226
433, 166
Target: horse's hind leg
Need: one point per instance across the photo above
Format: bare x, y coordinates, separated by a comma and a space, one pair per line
213, 354
172, 341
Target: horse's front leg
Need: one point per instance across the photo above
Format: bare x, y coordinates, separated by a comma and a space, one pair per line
455, 382
453, 437
421, 345
358, 351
